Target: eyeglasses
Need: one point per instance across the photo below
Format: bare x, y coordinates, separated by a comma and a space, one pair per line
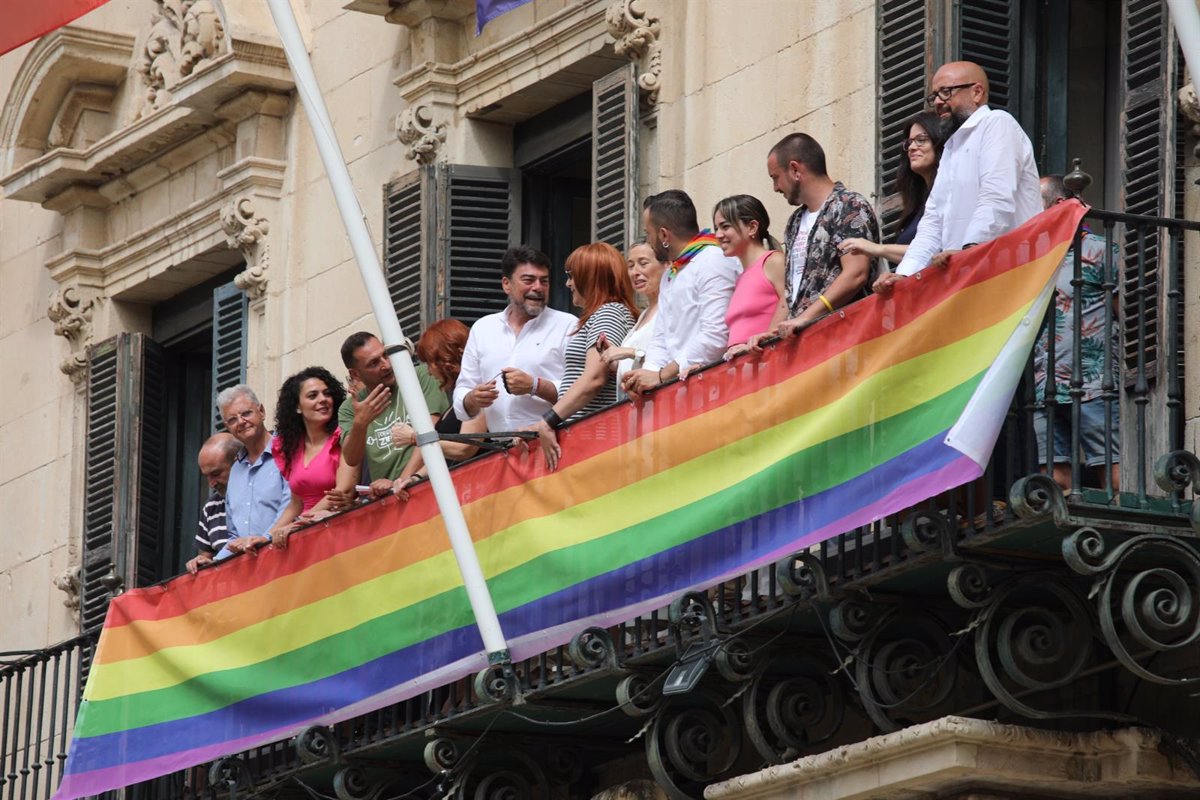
921, 140
944, 93
567, 272
245, 416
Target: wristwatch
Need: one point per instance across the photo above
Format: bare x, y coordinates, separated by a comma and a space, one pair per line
639, 358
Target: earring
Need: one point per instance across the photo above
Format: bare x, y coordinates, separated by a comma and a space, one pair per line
666, 245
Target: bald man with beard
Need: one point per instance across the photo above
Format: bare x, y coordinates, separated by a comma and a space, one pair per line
987, 182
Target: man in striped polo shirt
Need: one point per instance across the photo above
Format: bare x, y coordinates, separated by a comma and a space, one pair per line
215, 459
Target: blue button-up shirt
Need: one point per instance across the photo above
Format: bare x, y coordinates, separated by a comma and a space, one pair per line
256, 496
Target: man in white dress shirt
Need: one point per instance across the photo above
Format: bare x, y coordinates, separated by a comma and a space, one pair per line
690, 330
513, 360
987, 181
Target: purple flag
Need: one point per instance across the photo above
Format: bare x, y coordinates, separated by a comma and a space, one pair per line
488, 10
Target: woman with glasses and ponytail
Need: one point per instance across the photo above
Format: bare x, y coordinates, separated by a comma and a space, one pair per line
922, 150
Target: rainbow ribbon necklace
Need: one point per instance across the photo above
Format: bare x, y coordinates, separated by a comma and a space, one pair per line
704, 239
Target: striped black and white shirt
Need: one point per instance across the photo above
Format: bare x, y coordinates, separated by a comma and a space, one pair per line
614, 321
213, 532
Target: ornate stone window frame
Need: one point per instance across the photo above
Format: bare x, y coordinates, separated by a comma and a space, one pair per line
207, 83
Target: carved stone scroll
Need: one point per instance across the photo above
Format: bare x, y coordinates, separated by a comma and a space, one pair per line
247, 231
417, 128
636, 34
71, 310
183, 35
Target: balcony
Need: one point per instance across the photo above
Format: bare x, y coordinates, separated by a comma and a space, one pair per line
1006, 599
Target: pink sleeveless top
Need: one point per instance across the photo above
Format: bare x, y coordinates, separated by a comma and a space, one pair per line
753, 303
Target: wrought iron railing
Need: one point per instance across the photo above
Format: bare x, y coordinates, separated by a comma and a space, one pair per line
39, 695
899, 660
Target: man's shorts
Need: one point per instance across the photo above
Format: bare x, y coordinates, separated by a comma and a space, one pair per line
1091, 433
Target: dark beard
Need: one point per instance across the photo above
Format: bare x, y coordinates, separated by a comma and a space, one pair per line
951, 124
660, 252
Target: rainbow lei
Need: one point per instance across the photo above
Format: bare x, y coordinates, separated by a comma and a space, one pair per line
703, 239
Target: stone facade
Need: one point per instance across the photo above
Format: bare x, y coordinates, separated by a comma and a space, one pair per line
156, 145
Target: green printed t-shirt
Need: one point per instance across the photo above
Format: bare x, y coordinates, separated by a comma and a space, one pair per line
385, 461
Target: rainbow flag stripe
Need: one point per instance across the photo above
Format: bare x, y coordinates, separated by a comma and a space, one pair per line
873, 409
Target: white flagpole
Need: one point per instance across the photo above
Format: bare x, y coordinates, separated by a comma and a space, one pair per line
389, 328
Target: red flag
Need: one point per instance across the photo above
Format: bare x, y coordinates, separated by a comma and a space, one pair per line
26, 20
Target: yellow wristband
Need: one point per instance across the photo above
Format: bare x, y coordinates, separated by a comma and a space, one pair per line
825, 300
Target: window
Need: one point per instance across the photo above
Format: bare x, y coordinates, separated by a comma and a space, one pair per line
149, 408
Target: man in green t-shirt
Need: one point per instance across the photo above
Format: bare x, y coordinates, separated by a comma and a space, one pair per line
389, 436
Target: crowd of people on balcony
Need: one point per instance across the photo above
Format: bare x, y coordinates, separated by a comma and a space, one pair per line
967, 176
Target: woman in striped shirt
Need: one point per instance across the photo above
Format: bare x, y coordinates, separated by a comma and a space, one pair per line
600, 286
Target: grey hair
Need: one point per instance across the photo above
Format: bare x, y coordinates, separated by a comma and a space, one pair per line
227, 396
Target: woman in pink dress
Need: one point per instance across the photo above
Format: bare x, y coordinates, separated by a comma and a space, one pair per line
740, 224
308, 445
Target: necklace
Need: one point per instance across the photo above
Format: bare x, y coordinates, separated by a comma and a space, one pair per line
703, 239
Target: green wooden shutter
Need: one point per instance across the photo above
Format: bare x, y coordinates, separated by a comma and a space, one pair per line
228, 343
478, 218
1145, 148
102, 473
902, 62
614, 158
989, 33
403, 253
123, 451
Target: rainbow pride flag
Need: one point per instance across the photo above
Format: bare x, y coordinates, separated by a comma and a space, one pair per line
879, 406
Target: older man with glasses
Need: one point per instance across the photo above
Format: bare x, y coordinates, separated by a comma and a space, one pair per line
257, 492
987, 182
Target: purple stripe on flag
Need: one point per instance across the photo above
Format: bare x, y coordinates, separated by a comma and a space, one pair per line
488, 10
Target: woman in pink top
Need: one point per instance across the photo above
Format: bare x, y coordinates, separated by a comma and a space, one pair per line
307, 446
740, 224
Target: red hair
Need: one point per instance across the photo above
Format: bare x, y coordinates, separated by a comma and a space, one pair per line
601, 276
442, 344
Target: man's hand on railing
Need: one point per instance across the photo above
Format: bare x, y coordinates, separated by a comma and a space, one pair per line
243, 544
942, 260
201, 560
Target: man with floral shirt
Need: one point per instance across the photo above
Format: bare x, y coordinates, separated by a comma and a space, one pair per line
819, 278
1098, 348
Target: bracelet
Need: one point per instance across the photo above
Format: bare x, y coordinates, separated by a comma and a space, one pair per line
660, 377
552, 419
825, 300
537, 385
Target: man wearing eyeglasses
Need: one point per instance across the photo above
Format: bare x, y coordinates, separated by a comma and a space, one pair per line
256, 493
987, 181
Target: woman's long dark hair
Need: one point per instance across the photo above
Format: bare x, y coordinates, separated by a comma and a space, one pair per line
289, 425
909, 185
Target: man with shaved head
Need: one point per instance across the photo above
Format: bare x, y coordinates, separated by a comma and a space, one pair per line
216, 458
987, 181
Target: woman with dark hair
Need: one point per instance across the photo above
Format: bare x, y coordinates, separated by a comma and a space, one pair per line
599, 282
914, 179
740, 223
440, 349
308, 443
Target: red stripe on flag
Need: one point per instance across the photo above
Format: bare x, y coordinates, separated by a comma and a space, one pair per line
26, 21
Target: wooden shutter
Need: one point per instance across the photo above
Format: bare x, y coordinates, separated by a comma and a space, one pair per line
478, 218
1146, 144
614, 158
903, 61
989, 33
403, 253
228, 343
123, 452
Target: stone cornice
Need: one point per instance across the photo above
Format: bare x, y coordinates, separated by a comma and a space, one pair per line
509, 65
958, 751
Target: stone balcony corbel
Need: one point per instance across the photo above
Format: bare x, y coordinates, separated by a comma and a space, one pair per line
437, 28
